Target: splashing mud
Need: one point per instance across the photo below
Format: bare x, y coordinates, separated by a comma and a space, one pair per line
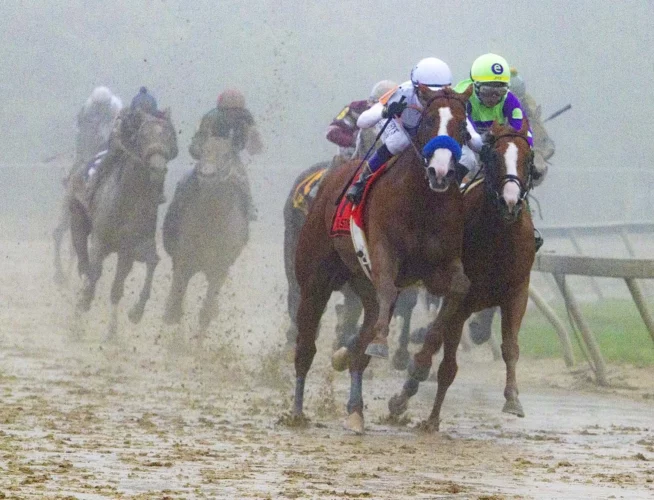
157, 415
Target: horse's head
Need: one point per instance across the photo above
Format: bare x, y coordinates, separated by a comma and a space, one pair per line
216, 159
154, 141
442, 132
508, 162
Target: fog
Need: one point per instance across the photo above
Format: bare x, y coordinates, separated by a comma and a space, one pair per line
299, 62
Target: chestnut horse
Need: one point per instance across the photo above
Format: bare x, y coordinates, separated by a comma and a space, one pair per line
297, 206
414, 226
498, 252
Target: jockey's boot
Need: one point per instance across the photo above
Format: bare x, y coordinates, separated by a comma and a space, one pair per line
538, 239
355, 191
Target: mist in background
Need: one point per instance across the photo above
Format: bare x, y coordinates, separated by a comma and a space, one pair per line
299, 63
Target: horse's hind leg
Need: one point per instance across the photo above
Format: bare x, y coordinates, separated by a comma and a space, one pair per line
151, 260
404, 308
123, 267
347, 316
291, 232
512, 312
313, 299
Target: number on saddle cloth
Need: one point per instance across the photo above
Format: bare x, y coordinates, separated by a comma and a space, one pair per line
93, 165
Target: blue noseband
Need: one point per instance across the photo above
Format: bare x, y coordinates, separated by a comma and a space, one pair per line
442, 142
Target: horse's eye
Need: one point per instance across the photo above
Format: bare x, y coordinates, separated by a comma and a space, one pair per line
430, 122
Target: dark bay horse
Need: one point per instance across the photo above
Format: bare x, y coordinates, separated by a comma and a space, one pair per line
414, 226
205, 228
498, 253
120, 214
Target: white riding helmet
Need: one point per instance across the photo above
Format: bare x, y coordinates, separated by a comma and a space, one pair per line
431, 72
101, 95
381, 88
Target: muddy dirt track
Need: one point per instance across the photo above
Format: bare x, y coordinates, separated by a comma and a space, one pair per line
152, 415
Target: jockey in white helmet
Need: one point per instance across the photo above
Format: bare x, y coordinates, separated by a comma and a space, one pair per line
431, 72
95, 122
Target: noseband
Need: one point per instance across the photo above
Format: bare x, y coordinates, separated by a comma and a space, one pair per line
439, 142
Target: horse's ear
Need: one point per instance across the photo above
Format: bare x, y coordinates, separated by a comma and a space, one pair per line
524, 129
425, 92
467, 92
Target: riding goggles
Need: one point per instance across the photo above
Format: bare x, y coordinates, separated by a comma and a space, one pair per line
489, 92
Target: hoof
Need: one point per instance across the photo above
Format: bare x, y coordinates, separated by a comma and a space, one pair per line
135, 314
428, 426
341, 359
354, 423
377, 350
294, 420
397, 405
514, 408
401, 359
418, 336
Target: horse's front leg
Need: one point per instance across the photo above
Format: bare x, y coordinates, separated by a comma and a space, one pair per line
208, 311
96, 255
151, 259
513, 310
123, 267
384, 273
174, 308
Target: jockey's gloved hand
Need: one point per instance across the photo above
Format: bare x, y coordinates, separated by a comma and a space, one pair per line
393, 109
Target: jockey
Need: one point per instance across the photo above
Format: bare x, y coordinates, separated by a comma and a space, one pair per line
544, 147
343, 130
491, 101
231, 119
95, 121
145, 102
431, 72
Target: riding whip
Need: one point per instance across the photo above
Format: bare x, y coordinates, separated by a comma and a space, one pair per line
557, 113
389, 120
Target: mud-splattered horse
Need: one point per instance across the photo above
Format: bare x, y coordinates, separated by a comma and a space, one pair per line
498, 252
414, 225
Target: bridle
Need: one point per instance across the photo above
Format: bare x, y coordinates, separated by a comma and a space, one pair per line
489, 159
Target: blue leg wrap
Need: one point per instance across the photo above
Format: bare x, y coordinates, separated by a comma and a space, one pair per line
299, 395
356, 392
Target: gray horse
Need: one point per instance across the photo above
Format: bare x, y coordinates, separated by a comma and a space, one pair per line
205, 228
120, 213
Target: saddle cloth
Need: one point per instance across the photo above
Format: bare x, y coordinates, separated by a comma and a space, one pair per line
306, 190
346, 210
